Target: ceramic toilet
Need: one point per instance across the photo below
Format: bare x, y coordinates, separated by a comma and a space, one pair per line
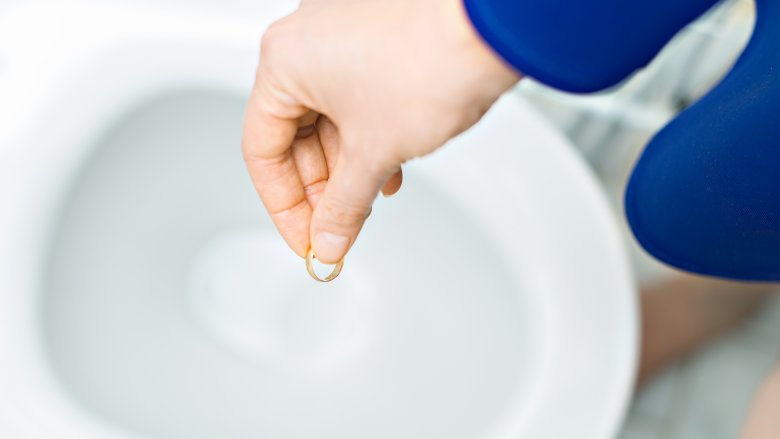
144, 293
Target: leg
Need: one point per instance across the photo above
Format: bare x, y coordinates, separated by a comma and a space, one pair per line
763, 421
681, 314
704, 195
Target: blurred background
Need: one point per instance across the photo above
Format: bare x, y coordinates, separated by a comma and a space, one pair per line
706, 395
703, 395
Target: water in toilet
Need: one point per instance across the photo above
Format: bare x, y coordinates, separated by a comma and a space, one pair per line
145, 294
169, 295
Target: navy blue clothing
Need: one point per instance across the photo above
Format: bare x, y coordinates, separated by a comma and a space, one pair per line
581, 45
705, 195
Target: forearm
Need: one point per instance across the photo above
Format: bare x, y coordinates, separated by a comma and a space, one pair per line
581, 46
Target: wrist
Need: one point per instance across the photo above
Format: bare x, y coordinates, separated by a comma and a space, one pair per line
485, 57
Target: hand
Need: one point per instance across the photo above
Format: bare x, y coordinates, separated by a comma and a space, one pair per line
346, 92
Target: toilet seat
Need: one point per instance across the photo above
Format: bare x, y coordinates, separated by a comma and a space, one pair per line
100, 81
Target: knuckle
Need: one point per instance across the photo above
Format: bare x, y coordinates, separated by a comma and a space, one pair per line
273, 40
374, 157
315, 188
339, 214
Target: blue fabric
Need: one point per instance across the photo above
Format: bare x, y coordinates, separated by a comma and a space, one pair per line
581, 45
705, 195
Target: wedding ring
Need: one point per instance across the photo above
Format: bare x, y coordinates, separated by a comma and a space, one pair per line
310, 268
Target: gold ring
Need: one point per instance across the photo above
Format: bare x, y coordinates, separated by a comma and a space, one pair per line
310, 268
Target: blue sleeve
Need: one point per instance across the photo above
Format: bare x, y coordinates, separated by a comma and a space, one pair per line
705, 195
581, 45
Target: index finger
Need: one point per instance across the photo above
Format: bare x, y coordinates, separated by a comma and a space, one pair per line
270, 126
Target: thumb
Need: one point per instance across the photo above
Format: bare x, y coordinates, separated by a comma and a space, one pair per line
344, 206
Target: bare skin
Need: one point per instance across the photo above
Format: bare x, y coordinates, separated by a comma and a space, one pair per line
763, 422
346, 92
682, 314
349, 90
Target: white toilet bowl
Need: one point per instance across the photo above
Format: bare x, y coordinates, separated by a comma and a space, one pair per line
145, 294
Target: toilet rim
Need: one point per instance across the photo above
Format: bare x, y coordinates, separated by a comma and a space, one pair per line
126, 78
30, 165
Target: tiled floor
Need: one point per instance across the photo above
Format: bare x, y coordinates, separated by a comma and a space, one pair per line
707, 395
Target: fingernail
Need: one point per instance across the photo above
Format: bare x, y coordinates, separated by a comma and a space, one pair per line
330, 248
